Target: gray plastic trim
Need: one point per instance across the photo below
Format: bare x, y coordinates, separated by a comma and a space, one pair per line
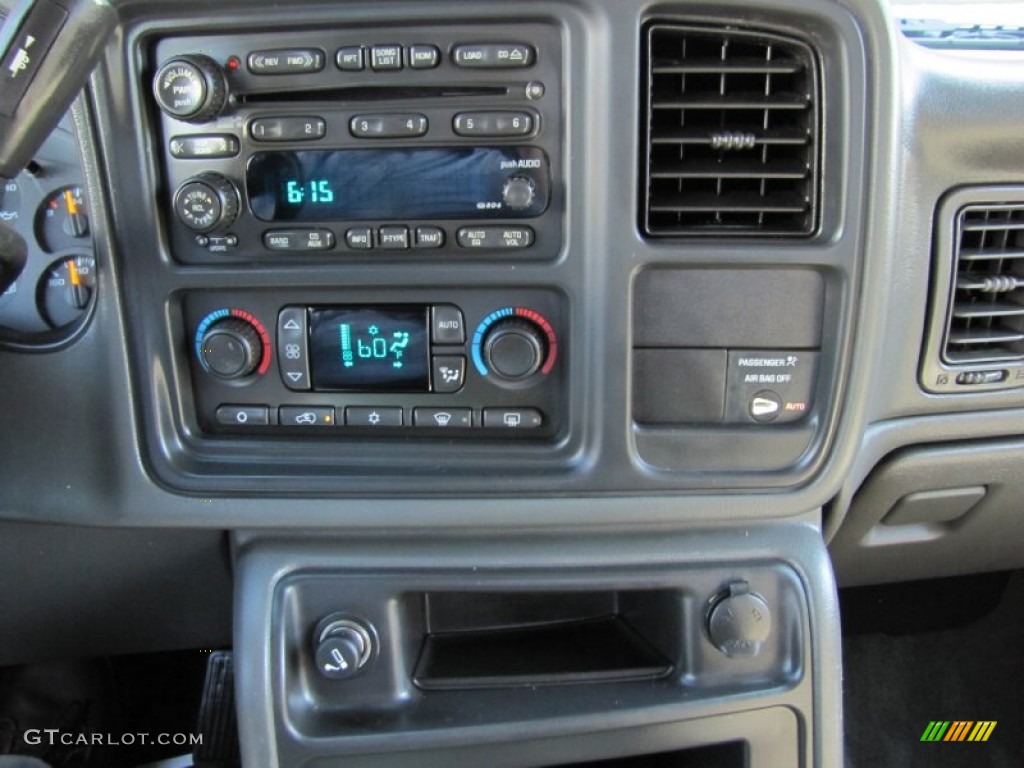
264, 563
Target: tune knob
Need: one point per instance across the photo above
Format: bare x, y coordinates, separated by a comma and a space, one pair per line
230, 348
518, 192
206, 202
191, 88
514, 348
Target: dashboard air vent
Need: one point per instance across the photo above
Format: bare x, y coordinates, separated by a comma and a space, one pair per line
732, 133
986, 315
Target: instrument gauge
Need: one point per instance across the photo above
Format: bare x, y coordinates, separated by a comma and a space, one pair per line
66, 289
63, 221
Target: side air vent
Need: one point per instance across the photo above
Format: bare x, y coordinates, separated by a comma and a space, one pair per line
732, 133
986, 315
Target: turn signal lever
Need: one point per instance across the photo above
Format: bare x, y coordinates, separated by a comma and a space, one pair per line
47, 50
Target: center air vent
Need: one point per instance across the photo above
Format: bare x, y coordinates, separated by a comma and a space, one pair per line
986, 316
732, 133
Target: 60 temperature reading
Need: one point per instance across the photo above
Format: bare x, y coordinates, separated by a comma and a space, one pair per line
318, 190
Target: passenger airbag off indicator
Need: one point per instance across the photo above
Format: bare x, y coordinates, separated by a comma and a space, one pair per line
770, 386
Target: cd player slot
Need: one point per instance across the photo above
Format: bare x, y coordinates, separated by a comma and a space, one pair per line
364, 93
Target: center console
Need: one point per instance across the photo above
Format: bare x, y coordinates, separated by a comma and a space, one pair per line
501, 336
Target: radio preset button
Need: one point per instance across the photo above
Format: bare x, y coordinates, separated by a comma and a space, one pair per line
306, 416
286, 61
512, 418
299, 240
429, 237
493, 124
399, 125
424, 56
350, 59
243, 415
384, 58
505, 238
449, 373
443, 418
370, 416
393, 238
288, 128
203, 147
447, 326
360, 239
493, 55
293, 348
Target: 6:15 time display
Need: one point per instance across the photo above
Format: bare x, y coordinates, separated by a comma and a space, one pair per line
313, 191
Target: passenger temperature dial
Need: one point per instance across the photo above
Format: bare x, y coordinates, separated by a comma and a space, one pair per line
206, 202
232, 344
513, 344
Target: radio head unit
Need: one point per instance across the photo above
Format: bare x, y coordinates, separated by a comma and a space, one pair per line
430, 143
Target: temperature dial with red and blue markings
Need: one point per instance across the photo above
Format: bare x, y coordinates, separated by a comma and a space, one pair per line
232, 344
513, 344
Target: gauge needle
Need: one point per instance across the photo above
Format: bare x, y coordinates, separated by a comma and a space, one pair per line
79, 293
76, 225
76, 279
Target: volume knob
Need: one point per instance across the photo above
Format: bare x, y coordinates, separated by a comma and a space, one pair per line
230, 349
191, 88
206, 202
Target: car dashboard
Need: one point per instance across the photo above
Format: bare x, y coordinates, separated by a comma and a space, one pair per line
513, 382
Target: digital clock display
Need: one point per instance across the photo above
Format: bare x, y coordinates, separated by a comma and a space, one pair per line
370, 349
314, 191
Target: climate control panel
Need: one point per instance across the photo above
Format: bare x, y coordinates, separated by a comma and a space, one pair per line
471, 364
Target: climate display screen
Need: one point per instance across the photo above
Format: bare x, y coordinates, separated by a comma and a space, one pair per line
370, 349
421, 183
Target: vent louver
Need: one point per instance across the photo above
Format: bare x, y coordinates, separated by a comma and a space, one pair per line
732, 133
986, 315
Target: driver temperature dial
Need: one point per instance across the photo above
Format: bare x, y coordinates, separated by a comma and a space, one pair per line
232, 344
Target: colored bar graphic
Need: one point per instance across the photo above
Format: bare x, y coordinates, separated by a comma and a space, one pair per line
982, 730
935, 730
958, 730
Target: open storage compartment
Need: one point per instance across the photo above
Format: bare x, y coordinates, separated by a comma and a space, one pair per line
496, 640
